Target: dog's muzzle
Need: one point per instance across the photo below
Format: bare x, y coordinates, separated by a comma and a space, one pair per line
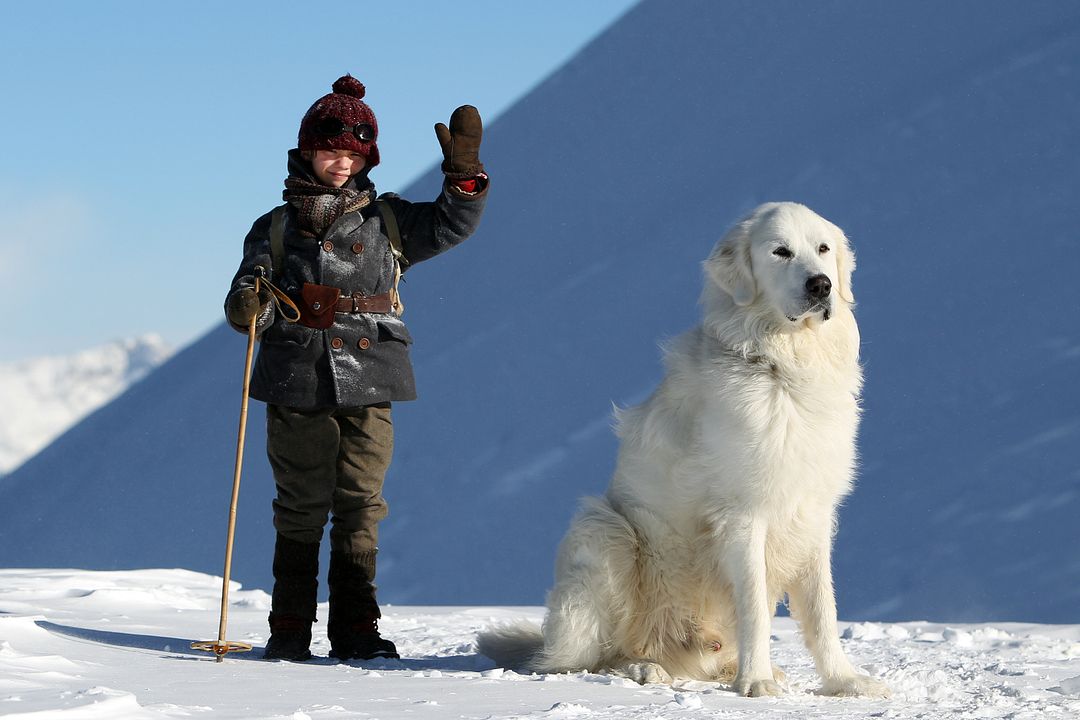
818, 291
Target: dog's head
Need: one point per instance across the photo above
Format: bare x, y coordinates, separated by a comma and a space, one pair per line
787, 258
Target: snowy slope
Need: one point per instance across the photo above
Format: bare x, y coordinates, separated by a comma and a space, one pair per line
44, 396
942, 137
79, 645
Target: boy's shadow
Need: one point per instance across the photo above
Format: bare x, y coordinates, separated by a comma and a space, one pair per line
180, 649
177, 648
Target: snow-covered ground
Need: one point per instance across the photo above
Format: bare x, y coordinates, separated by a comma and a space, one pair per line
44, 396
81, 644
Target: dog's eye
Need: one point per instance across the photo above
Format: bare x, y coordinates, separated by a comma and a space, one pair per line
822, 249
783, 252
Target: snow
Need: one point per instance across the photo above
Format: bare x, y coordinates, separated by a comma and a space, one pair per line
44, 396
94, 644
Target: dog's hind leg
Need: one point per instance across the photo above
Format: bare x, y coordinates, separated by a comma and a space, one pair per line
595, 562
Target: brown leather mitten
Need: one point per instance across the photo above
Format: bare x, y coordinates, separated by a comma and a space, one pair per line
461, 143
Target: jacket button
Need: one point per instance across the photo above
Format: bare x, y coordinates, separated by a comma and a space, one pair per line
364, 344
337, 343
358, 248
328, 246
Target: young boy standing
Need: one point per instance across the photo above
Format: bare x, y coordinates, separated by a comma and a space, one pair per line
329, 379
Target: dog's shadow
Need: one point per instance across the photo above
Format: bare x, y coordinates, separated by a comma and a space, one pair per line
180, 649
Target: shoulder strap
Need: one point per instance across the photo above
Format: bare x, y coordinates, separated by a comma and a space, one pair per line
277, 241
392, 232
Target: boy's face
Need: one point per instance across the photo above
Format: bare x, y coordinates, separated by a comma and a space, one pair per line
335, 167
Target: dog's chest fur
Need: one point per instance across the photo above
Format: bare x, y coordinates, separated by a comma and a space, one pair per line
731, 437
779, 429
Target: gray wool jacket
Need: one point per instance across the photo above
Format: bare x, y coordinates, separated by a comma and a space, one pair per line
362, 358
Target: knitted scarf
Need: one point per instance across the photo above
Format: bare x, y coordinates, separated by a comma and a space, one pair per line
318, 206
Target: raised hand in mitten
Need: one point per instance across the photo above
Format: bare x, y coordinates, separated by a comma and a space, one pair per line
461, 143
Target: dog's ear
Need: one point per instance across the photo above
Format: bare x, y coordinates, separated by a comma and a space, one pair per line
845, 266
729, 265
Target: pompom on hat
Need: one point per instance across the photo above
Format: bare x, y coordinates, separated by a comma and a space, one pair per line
345, 105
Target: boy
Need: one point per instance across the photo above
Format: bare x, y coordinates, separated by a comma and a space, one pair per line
329, 379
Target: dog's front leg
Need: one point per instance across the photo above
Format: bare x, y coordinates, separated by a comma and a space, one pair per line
743, 559
813, 604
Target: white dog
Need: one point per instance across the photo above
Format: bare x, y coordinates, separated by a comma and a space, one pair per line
728, 479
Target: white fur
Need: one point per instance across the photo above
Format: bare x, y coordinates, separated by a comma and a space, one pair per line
728, 478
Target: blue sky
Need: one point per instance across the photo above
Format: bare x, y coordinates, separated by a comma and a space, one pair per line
143, 138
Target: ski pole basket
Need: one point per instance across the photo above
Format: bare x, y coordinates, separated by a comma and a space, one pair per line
219, 648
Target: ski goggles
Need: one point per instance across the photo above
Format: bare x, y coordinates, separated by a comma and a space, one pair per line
332, 126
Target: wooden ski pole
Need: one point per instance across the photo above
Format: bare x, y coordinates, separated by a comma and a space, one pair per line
223, 646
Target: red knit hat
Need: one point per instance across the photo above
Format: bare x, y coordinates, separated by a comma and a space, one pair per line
319, 131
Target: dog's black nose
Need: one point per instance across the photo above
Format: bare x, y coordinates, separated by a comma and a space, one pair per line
818, 286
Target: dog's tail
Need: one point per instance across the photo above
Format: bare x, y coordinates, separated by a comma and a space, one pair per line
514, 646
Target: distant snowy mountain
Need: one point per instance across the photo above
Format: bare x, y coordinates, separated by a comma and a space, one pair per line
943, 137
43, 397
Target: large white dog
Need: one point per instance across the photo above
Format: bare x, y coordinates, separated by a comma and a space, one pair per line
728, 479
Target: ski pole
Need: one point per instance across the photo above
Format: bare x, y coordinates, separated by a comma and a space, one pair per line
222, 646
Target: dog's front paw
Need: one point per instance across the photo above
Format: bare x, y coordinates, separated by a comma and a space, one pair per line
856, 686
757, 688
646, 673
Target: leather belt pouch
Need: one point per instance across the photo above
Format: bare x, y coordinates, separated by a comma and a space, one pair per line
317, 308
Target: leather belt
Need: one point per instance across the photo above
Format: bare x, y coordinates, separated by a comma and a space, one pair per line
321, 302
364, 304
